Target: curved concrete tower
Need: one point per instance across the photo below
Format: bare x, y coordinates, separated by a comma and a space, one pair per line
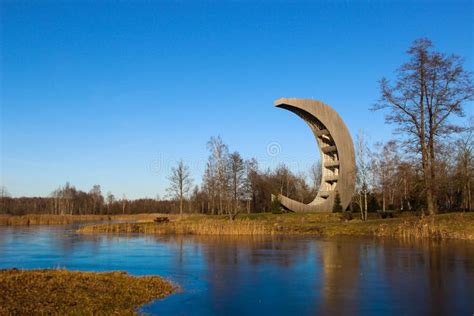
337, 155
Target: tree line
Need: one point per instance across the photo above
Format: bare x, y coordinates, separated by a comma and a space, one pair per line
67, 200
428, 167
232, 184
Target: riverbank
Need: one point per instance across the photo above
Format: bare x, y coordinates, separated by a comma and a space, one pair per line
62, 292
443, 226
46, 219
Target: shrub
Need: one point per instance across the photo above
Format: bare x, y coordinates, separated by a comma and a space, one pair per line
347, 216
337, 207
276, 205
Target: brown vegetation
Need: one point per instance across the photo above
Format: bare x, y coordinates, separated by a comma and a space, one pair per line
445, 226
188, 225
44, 219
61, 292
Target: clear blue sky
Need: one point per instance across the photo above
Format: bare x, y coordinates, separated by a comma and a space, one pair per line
115, 92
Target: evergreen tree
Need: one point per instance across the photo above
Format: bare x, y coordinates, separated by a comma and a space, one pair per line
276, 205
337, 207
373, 204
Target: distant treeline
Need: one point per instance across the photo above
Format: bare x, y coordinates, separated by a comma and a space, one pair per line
231, 184
70, 201
254, 190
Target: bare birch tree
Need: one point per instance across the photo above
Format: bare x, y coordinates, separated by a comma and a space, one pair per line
364, 172
180, 183
237, 174
218, 164
315, 174
251, 173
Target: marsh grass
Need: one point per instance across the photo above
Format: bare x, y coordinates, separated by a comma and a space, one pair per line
444, 226
62, 292
46, 219
186, 226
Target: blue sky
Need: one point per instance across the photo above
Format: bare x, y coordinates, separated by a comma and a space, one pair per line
114, 93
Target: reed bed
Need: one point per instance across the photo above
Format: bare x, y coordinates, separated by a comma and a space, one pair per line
46, 219
185, 227
444, 226
34, 219
62, 292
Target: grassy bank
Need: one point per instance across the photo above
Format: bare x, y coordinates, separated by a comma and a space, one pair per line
61, 292
444, 226
45, 219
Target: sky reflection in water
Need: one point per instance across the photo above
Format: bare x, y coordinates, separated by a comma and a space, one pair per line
266, 275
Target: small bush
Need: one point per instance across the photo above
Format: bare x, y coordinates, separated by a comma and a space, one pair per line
337, 207
276, 205
347, 216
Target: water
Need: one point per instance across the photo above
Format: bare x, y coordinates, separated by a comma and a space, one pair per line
266, 276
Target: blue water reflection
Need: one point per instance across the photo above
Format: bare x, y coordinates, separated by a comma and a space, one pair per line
265, 275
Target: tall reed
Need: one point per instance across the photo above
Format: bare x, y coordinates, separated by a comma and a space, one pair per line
47, 219
445, 226
184, 227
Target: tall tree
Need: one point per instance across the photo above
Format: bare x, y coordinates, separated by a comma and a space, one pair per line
110, 201
180, 183
218, 165
364, 172
385, 163
123, 201
465, 166
315, 174
209, 186
237, 174
430, 88
4, 195
97, 198
250, 187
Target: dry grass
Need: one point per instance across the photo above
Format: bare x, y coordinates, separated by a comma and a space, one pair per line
194, 225
61, 292
45, 219
444, 226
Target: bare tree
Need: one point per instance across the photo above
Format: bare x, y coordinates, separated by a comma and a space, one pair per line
217, 165
430, 88
237, 174
465, 166
385, 163
251, 173
286, 180
180, 183
303, 190
97, 198
364, 172
4, 192
209, 186
110, 201
3, 196
315, 174
124, 203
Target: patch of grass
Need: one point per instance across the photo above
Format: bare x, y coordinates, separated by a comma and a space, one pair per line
444, 226
62, 292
